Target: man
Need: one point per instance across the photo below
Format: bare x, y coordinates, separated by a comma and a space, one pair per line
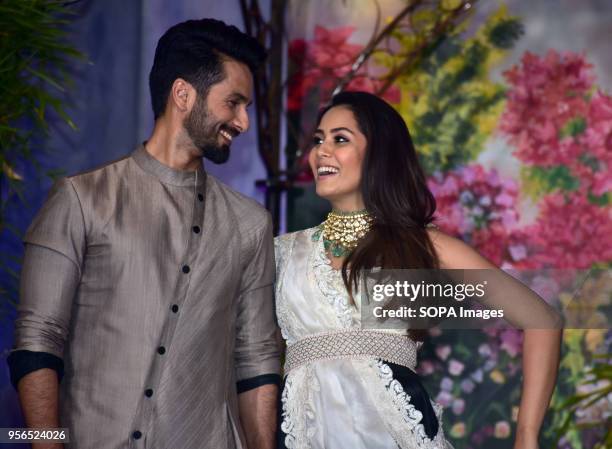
148, 283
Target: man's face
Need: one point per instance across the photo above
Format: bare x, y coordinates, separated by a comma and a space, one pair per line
215, 120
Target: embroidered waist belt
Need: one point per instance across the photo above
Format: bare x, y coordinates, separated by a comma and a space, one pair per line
352, 344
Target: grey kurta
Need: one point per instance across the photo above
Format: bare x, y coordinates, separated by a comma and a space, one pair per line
160, 300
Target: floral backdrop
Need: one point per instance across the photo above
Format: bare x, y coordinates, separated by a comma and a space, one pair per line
550, 118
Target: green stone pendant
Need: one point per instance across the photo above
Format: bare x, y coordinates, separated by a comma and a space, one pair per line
335, 249
338, 251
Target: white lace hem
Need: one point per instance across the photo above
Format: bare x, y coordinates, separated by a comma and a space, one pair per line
394, 405
298, 408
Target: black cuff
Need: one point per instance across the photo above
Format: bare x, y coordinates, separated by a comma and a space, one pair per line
257, 381
24, 362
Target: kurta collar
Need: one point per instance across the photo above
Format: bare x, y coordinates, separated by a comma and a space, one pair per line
166, 174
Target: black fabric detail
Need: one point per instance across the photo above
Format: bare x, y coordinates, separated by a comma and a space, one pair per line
257, 381
419, 397
24, 362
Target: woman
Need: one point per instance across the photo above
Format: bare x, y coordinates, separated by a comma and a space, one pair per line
350, 387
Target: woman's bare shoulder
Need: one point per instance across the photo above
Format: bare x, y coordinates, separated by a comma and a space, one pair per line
454, 253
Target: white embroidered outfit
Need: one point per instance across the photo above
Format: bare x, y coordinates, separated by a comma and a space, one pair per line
336, 403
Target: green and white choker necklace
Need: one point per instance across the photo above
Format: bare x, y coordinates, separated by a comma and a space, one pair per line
342, 231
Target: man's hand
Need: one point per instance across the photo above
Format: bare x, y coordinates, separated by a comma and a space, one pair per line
38, 395
258, 416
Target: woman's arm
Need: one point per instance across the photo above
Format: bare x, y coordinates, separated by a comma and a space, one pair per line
540, 364
540, 346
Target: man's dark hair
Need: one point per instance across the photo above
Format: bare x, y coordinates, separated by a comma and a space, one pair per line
194, 50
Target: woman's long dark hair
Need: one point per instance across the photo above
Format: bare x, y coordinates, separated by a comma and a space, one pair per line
394, 192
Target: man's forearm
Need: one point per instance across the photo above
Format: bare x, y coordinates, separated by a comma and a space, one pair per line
258, 416
38, 395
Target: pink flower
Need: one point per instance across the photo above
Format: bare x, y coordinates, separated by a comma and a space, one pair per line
504, 199
517, 252
446, 384
512, 341
571, 232
600, 108
444, 398
595, 161
476, 204
502, 429
455, 367
602, 181
546, 94
520, 248
484, 350
443, 351
491, 242
321, 63
458, 406
426, 367
553, 121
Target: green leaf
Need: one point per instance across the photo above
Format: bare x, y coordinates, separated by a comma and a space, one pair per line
542, 180
46, 78
505, 33
574, 361
573, 127
35, 60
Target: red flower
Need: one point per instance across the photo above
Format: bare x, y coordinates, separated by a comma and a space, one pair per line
552, 121
571, 233
595, 162
546, 95
321, 63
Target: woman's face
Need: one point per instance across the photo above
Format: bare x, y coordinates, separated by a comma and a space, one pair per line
337, 157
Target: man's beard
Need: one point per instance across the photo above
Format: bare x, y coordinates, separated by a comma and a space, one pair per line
204, 133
